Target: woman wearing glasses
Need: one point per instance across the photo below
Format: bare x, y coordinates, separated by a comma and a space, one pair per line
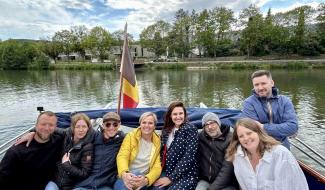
179, 149
138, 160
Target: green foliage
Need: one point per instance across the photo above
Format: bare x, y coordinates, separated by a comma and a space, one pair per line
154, 37
83, 66
40, 62
99, 42
21, 55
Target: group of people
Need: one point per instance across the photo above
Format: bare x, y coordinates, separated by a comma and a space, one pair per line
254, 156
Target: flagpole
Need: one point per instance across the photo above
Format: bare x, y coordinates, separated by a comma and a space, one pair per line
120, 93
121, 73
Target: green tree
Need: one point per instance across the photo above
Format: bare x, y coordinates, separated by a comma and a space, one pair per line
204, 34
321, 25
118, 39
99, 42
79, 35
20, 55
251, 40
154, 37
64, 39
50, 48
179, 37
223, 19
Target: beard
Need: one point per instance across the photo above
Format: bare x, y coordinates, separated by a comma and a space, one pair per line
43, 137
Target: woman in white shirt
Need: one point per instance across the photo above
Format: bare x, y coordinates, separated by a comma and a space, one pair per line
260, 162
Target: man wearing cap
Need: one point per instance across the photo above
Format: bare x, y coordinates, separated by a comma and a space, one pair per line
107, 144
215, 173
273, 112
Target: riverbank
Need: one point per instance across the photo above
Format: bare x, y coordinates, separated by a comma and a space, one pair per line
182, 65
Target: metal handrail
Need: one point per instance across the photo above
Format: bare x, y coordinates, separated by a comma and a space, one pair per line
11, 140
319, 162
311, 149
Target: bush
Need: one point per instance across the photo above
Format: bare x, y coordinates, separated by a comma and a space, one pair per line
40, 62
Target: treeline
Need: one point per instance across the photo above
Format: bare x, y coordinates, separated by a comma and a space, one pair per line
209, 33
217, 32
30, 54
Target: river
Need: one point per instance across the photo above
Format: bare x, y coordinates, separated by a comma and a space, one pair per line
22, 91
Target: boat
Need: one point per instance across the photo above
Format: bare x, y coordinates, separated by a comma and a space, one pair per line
130, 119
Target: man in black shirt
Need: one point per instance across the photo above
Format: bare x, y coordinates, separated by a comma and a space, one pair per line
33, 167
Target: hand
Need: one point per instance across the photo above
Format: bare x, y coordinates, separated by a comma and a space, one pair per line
163, 182
140, 181
128, 180
66, 158
260, 124
28, 137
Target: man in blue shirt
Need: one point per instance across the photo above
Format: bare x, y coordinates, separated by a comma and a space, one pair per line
275, 113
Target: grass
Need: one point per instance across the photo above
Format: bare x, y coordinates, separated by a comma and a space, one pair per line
162, 66
82, 66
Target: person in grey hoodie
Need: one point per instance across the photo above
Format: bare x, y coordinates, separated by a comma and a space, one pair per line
215, 173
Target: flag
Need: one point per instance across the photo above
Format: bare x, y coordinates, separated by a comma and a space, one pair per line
129, 82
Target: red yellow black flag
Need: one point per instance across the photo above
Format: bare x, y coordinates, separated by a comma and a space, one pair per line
129, 81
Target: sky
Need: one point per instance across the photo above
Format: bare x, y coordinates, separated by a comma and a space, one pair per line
40, 19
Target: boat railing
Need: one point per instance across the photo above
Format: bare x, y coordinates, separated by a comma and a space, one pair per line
5, 146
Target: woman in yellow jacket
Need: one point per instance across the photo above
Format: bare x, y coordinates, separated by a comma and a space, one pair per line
138, 160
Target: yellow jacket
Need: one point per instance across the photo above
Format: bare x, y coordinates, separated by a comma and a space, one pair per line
129, 150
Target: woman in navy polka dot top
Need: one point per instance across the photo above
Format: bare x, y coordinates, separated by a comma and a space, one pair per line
179, 148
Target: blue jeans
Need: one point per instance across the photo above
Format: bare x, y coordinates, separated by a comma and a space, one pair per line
99, 188
51, 186
119, 184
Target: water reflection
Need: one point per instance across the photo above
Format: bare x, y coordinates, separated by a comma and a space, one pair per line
22, 91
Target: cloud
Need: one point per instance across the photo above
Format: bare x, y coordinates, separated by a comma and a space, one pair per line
41, 18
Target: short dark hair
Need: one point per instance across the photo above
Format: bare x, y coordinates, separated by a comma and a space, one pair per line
48, 113
260, 73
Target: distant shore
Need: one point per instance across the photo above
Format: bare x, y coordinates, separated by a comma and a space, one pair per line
235, 64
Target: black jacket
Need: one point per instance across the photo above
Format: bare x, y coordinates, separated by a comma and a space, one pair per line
213, 167
30, 168
81, 159
104, 171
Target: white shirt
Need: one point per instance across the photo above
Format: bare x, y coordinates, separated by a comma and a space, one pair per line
141, 163
276, 170
171, 137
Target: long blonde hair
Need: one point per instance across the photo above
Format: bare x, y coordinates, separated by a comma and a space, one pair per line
266, 142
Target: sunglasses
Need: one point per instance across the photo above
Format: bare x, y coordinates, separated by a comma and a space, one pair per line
108, 124
209, 123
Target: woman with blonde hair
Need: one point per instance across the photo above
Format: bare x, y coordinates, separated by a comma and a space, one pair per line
260, 162
138, 161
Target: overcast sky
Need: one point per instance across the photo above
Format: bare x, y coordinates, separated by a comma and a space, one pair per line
36, 19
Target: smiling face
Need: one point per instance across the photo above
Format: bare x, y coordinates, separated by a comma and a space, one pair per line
44, 128
110, 128
80, 130
263, 86
178, 116
212, 128
248, 138
147, 125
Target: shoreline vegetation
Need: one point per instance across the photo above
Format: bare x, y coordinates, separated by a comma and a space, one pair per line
192, 65
197, 39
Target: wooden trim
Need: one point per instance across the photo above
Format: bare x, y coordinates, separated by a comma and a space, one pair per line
312, 172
